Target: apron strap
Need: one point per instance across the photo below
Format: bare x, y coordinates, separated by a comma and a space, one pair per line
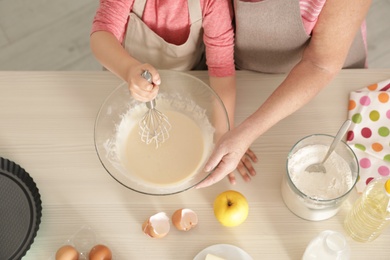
195, 10
138, 7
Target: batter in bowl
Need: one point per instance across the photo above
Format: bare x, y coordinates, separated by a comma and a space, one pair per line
177, 159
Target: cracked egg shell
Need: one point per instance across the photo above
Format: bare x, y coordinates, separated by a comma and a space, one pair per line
157, 226
184, 219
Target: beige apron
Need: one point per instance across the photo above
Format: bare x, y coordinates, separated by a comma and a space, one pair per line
148, 47
270, 37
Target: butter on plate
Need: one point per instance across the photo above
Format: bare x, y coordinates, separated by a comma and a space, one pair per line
213, 257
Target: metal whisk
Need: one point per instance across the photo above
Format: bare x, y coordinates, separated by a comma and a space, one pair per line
154, 126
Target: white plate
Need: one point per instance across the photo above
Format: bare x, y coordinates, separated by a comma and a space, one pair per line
229, 252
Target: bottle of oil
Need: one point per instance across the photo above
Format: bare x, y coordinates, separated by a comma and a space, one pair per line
370, 214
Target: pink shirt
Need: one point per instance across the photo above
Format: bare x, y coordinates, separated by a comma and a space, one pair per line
311, 9
170, 20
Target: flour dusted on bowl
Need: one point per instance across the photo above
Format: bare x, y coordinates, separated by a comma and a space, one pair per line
334, 183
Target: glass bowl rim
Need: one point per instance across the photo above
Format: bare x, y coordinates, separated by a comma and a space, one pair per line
316, 199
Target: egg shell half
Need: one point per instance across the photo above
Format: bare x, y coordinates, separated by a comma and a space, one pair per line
184, 219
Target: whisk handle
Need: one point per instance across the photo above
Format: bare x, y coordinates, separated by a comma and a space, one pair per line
151, 104
146, 75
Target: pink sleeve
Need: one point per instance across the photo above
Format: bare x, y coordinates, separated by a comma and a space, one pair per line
112, 16
311, 9
219, 37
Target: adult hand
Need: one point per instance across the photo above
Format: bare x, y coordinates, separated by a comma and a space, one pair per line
139, 87
231, 153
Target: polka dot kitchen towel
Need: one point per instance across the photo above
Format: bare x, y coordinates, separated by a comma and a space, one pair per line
369, 135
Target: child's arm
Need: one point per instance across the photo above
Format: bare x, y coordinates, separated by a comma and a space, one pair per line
110, 53
225, 87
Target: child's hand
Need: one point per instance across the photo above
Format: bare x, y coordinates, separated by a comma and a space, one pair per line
139, 87
230, 153
245, 167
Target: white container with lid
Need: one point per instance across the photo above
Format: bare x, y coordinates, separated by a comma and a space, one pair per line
328, 245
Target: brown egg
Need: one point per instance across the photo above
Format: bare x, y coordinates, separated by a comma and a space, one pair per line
67, 252
184, 219
100, 252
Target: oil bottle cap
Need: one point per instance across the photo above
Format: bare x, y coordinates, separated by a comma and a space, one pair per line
387, 186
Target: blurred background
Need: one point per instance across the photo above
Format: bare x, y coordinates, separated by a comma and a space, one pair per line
54, 34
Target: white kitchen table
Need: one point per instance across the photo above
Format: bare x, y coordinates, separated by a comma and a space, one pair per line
47, 126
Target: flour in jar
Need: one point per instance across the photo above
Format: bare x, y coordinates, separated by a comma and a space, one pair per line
323, 186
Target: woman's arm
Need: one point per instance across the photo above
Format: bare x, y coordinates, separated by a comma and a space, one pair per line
322, 59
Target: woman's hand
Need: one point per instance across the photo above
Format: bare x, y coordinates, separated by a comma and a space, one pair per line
140, 88
231, 153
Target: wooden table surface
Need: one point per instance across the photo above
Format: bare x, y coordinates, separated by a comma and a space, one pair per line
47, 123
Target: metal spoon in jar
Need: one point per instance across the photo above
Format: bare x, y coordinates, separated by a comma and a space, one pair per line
319, 167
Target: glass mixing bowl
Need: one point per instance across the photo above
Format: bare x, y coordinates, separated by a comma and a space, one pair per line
120, 151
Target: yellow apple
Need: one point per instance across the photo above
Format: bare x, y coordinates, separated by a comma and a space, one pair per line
231, 208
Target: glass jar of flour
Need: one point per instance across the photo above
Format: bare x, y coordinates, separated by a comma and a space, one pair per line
314, 195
